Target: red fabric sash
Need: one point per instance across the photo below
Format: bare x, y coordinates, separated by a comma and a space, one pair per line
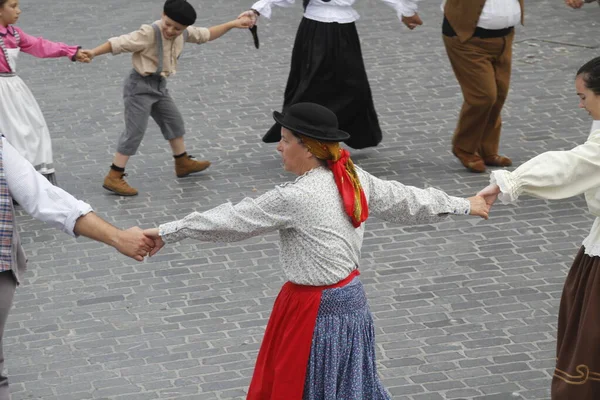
280, 368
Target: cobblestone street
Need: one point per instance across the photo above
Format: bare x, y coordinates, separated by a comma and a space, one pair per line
465, 309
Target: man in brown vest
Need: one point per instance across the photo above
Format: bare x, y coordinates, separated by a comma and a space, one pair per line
478, 42
478, 36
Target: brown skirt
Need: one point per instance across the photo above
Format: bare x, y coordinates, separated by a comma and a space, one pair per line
577, 373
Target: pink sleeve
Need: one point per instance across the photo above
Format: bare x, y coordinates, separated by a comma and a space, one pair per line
42, 48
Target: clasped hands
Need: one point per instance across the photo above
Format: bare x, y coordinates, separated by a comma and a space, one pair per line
137, 243
482, 202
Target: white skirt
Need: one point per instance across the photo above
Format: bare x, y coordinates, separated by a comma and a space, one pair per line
23, 124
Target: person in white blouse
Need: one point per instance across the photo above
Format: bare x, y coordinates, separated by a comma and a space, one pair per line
38, 197
319, 342
327, 65
559, 175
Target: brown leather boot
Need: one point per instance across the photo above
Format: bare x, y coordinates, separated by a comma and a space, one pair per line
472, 162
115, 183
497, 161
185, 165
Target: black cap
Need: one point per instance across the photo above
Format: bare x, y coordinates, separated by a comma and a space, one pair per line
180, 11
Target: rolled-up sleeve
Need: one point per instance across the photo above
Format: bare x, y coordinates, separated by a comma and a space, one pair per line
38, 197
198, 35
134, 41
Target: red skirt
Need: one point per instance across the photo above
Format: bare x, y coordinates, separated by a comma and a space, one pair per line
283, 357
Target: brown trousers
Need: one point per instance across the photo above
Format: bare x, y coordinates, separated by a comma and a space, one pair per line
7, 291
482, 68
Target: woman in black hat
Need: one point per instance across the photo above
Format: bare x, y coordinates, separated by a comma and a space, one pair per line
319, 342
327, 65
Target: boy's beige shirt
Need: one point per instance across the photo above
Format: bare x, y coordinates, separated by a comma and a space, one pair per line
142, 44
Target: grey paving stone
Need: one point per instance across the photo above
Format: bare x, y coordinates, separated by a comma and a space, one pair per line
454, 304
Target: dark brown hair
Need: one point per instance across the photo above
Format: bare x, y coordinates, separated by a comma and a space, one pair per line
590, 72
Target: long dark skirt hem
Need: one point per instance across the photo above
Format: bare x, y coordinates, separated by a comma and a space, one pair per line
327, 68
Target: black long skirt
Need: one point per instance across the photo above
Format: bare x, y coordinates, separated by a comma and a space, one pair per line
327, 68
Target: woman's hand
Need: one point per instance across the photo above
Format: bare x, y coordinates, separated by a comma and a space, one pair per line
479, 207
490, 194
153, 235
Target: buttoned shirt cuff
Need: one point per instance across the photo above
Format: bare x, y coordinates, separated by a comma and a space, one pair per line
459, 206
263, 7
72, 54
168, 231
81, 209
405, 10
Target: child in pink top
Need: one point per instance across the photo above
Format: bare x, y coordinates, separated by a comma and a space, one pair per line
21, 120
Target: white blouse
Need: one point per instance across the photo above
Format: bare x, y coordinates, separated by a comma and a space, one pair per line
339, 11
559, 175
497, 14
319, 245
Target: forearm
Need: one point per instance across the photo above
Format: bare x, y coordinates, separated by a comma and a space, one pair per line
219, 30
92, 226
102, 49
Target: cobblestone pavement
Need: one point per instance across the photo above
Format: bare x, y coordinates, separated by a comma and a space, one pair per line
464, 309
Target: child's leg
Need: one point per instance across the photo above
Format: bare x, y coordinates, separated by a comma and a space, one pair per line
138, 106
120, 160
169, 119
177, 146
137, 112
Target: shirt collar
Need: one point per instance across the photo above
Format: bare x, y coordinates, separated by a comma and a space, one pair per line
595, 125
7, 29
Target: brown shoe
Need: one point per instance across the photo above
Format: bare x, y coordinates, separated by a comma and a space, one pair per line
115, 183
497, 161
186, 165
472, 162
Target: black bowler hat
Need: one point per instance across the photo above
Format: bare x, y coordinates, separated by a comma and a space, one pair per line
180, 11
308, 119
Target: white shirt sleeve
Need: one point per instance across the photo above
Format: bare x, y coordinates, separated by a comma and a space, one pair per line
393, 201
406, 8
554, 174
264, 6
231, 223
37, 196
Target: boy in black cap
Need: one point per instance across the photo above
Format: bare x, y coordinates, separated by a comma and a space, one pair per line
155, 51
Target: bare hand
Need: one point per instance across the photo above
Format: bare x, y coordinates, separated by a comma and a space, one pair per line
88, 53
479, 207
153, 235
249, 14
243, 22
82, 56
490, 194
412, 22
133, 243
574, 3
